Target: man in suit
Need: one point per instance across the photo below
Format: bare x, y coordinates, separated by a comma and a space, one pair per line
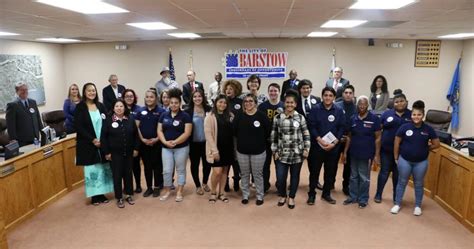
166, 82
305, 103
112, 92
337, 82
291, 83
23, 118
191, 86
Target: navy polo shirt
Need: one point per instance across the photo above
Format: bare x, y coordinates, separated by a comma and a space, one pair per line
414, 145
321, 121
390, 124
174, 127
135, 110
149, 121
271, 110
363, 136
349, 109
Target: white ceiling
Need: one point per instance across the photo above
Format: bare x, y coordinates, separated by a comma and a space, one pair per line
237, 19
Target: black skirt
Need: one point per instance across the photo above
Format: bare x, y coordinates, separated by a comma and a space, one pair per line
225, 143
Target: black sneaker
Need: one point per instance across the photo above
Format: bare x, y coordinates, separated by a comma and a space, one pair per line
156, 192
120, 203
311, 199
329, 199
362, 205
130, 200
348, 201
259, 202
148, 192
227, 187
245, 201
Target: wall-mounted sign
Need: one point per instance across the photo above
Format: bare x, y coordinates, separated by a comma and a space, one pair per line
427, 53
241, 63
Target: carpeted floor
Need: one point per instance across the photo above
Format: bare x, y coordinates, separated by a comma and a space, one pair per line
72, 222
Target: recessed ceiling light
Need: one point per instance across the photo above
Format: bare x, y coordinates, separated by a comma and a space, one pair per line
7, 33
185, 35
57, 40
381, 4
460, 35
85, 6
151, 25
321, 34
342, 23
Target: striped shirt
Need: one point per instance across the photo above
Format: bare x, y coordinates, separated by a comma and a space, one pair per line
290, 137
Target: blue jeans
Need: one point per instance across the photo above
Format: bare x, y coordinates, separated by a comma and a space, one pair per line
388, 164
360, 180
174, 158
405, 169
282, 174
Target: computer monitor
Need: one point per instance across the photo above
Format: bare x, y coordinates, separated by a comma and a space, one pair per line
444, 137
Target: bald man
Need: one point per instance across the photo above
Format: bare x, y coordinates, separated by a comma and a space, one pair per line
337, 82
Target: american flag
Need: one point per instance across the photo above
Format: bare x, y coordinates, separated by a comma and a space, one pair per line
171, 66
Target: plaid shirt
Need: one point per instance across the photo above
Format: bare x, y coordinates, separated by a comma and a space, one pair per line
290, 137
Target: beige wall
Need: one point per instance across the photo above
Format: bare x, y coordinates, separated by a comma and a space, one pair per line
466, 105
52, 64
139, 66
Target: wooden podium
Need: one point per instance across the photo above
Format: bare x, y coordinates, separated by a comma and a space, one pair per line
31, 181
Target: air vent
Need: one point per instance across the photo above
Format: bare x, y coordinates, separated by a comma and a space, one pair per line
381, 24
86, 39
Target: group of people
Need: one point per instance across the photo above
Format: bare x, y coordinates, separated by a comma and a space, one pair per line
246, 132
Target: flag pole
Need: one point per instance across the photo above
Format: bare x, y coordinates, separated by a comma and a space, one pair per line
191, 59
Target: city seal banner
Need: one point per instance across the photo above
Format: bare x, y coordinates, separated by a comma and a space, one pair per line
241, 63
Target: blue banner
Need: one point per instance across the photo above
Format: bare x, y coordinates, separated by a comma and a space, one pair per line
242, 63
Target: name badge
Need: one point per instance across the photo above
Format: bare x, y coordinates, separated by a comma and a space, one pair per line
115, 125
313, 101
331, 118
119, 95
175, 123
32, 110
256, 123
389, 119
279, 110
102, 116
409, 133
237, 106
296, 124
144, 112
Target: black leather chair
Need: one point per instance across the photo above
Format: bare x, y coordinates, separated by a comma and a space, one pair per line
4, 139
439, 120
55, 119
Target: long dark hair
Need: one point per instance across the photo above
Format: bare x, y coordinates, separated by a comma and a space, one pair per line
126, 111
226, 114
84, 98
205, 105
373, 87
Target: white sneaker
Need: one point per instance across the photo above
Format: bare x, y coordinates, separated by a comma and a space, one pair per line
395, 209
417, 211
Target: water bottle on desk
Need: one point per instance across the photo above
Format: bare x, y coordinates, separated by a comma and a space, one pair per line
36, 142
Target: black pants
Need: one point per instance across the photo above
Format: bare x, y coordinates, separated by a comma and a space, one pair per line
197, 153
122, 171
346, 173
266, 168
153, 166
329, 159
313, 175
137, 171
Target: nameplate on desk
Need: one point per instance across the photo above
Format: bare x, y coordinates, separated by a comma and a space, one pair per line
6, 170
48, 151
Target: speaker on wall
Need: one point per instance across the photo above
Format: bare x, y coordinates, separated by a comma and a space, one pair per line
371, 42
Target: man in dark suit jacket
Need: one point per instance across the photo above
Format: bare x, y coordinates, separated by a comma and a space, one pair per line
291, 83
112, 92
337, 82
306, 101
191, 86
23, 118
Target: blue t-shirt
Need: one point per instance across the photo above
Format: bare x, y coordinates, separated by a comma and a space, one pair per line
321, 121
414, 145
271, 110
149, 121
390, 124
363, 136
174, 127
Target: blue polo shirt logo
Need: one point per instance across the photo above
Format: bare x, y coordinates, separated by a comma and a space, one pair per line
409, 133
390, 119
331, 118
424, 133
